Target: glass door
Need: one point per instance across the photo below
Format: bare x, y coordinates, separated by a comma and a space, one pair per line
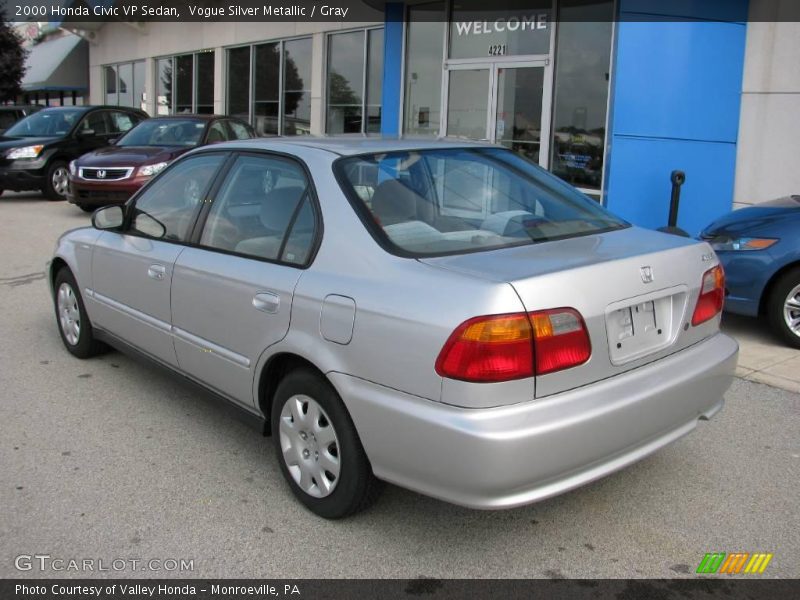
505, 102
468, 102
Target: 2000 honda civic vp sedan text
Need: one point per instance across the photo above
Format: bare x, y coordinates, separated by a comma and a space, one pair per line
445, 316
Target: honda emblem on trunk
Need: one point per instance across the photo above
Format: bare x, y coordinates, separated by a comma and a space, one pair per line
647, 274
101, 174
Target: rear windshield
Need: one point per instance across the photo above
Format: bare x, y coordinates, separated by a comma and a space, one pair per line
449, 201
166, 132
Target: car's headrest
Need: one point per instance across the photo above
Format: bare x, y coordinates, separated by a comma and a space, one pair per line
393, 203
278, 207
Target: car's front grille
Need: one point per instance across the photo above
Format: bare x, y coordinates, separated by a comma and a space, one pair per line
100, 174
102, 196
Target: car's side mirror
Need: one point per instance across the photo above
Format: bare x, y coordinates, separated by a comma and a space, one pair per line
108, 217
113, 141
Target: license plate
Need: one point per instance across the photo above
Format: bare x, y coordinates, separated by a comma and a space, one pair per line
637, 329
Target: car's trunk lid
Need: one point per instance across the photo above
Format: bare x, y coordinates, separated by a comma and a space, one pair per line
636, 290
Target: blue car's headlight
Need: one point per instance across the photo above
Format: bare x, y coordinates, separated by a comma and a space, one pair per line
741, 244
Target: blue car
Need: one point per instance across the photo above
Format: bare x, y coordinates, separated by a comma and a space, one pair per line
759, 247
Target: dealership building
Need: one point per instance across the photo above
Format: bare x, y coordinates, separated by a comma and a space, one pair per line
610, 95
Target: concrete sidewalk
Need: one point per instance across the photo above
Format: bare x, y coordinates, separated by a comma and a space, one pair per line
763, 357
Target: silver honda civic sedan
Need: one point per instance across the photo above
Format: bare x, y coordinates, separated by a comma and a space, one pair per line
445, 316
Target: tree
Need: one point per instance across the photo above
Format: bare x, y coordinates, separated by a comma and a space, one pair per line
12, 62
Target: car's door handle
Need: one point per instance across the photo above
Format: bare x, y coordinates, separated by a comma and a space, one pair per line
267, 302
156, 272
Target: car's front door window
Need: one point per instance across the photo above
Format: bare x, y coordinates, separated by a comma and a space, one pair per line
167, 208
94, 124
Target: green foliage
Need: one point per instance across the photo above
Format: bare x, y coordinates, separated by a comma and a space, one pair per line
12, 62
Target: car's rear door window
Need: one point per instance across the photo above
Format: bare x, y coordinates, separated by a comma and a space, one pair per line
263, 210
446, 201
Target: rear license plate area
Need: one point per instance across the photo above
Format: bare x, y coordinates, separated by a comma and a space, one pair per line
640, 326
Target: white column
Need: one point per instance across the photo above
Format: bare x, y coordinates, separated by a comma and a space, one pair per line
219, 81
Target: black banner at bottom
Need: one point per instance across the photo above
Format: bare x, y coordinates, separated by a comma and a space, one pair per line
438, 589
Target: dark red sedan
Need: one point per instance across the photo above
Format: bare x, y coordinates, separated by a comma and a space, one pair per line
112, 174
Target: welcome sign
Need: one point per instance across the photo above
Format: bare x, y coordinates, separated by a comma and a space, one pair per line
475, 34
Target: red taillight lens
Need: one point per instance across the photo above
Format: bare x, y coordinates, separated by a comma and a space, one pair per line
513, 346
712, 295
489, 349
560, 340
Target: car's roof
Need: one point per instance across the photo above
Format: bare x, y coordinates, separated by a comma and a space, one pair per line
190, 116
349, 146
88, 107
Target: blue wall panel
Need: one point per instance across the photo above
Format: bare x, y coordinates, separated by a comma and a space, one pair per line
676, 101
392, 68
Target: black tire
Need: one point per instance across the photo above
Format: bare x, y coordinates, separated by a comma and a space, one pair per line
787, 285
1, 191
56, 169
355, 487
86, 345
86, 208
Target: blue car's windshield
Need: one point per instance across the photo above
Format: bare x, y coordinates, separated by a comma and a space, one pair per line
165, 132
46, 123
445, 201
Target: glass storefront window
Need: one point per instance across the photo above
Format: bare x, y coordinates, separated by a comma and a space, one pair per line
281, 87
124, 84
345, 81
164, 97
184, 73
520, 27
583, 52
111, 86
139, 86
355, 62
423, 78
185, 83
266, 99
204, 83
374, 67
239, 82
297, 87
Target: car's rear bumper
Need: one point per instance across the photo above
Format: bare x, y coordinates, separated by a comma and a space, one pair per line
514, 455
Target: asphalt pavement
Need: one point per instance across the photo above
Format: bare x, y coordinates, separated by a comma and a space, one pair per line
109, 459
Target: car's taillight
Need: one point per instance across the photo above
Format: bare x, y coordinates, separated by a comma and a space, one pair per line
560, 340
489, 349
712, 295
513, 346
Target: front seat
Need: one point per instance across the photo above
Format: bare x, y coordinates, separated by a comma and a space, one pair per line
276, 212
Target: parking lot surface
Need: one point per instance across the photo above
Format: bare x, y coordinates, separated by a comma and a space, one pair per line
111, 459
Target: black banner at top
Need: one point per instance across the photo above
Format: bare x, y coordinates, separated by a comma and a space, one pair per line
142, 11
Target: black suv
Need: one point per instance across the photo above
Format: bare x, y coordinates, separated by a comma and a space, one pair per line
11, 113
36, 151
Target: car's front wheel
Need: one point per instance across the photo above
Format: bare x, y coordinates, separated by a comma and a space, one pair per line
73, 322
783, 307
57, 181
318, 448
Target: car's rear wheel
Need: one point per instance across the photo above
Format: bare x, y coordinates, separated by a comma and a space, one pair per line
57, 181
318, 448
783, 307
73, 323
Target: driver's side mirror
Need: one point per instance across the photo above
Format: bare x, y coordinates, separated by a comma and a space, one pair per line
113, 141
108, 217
